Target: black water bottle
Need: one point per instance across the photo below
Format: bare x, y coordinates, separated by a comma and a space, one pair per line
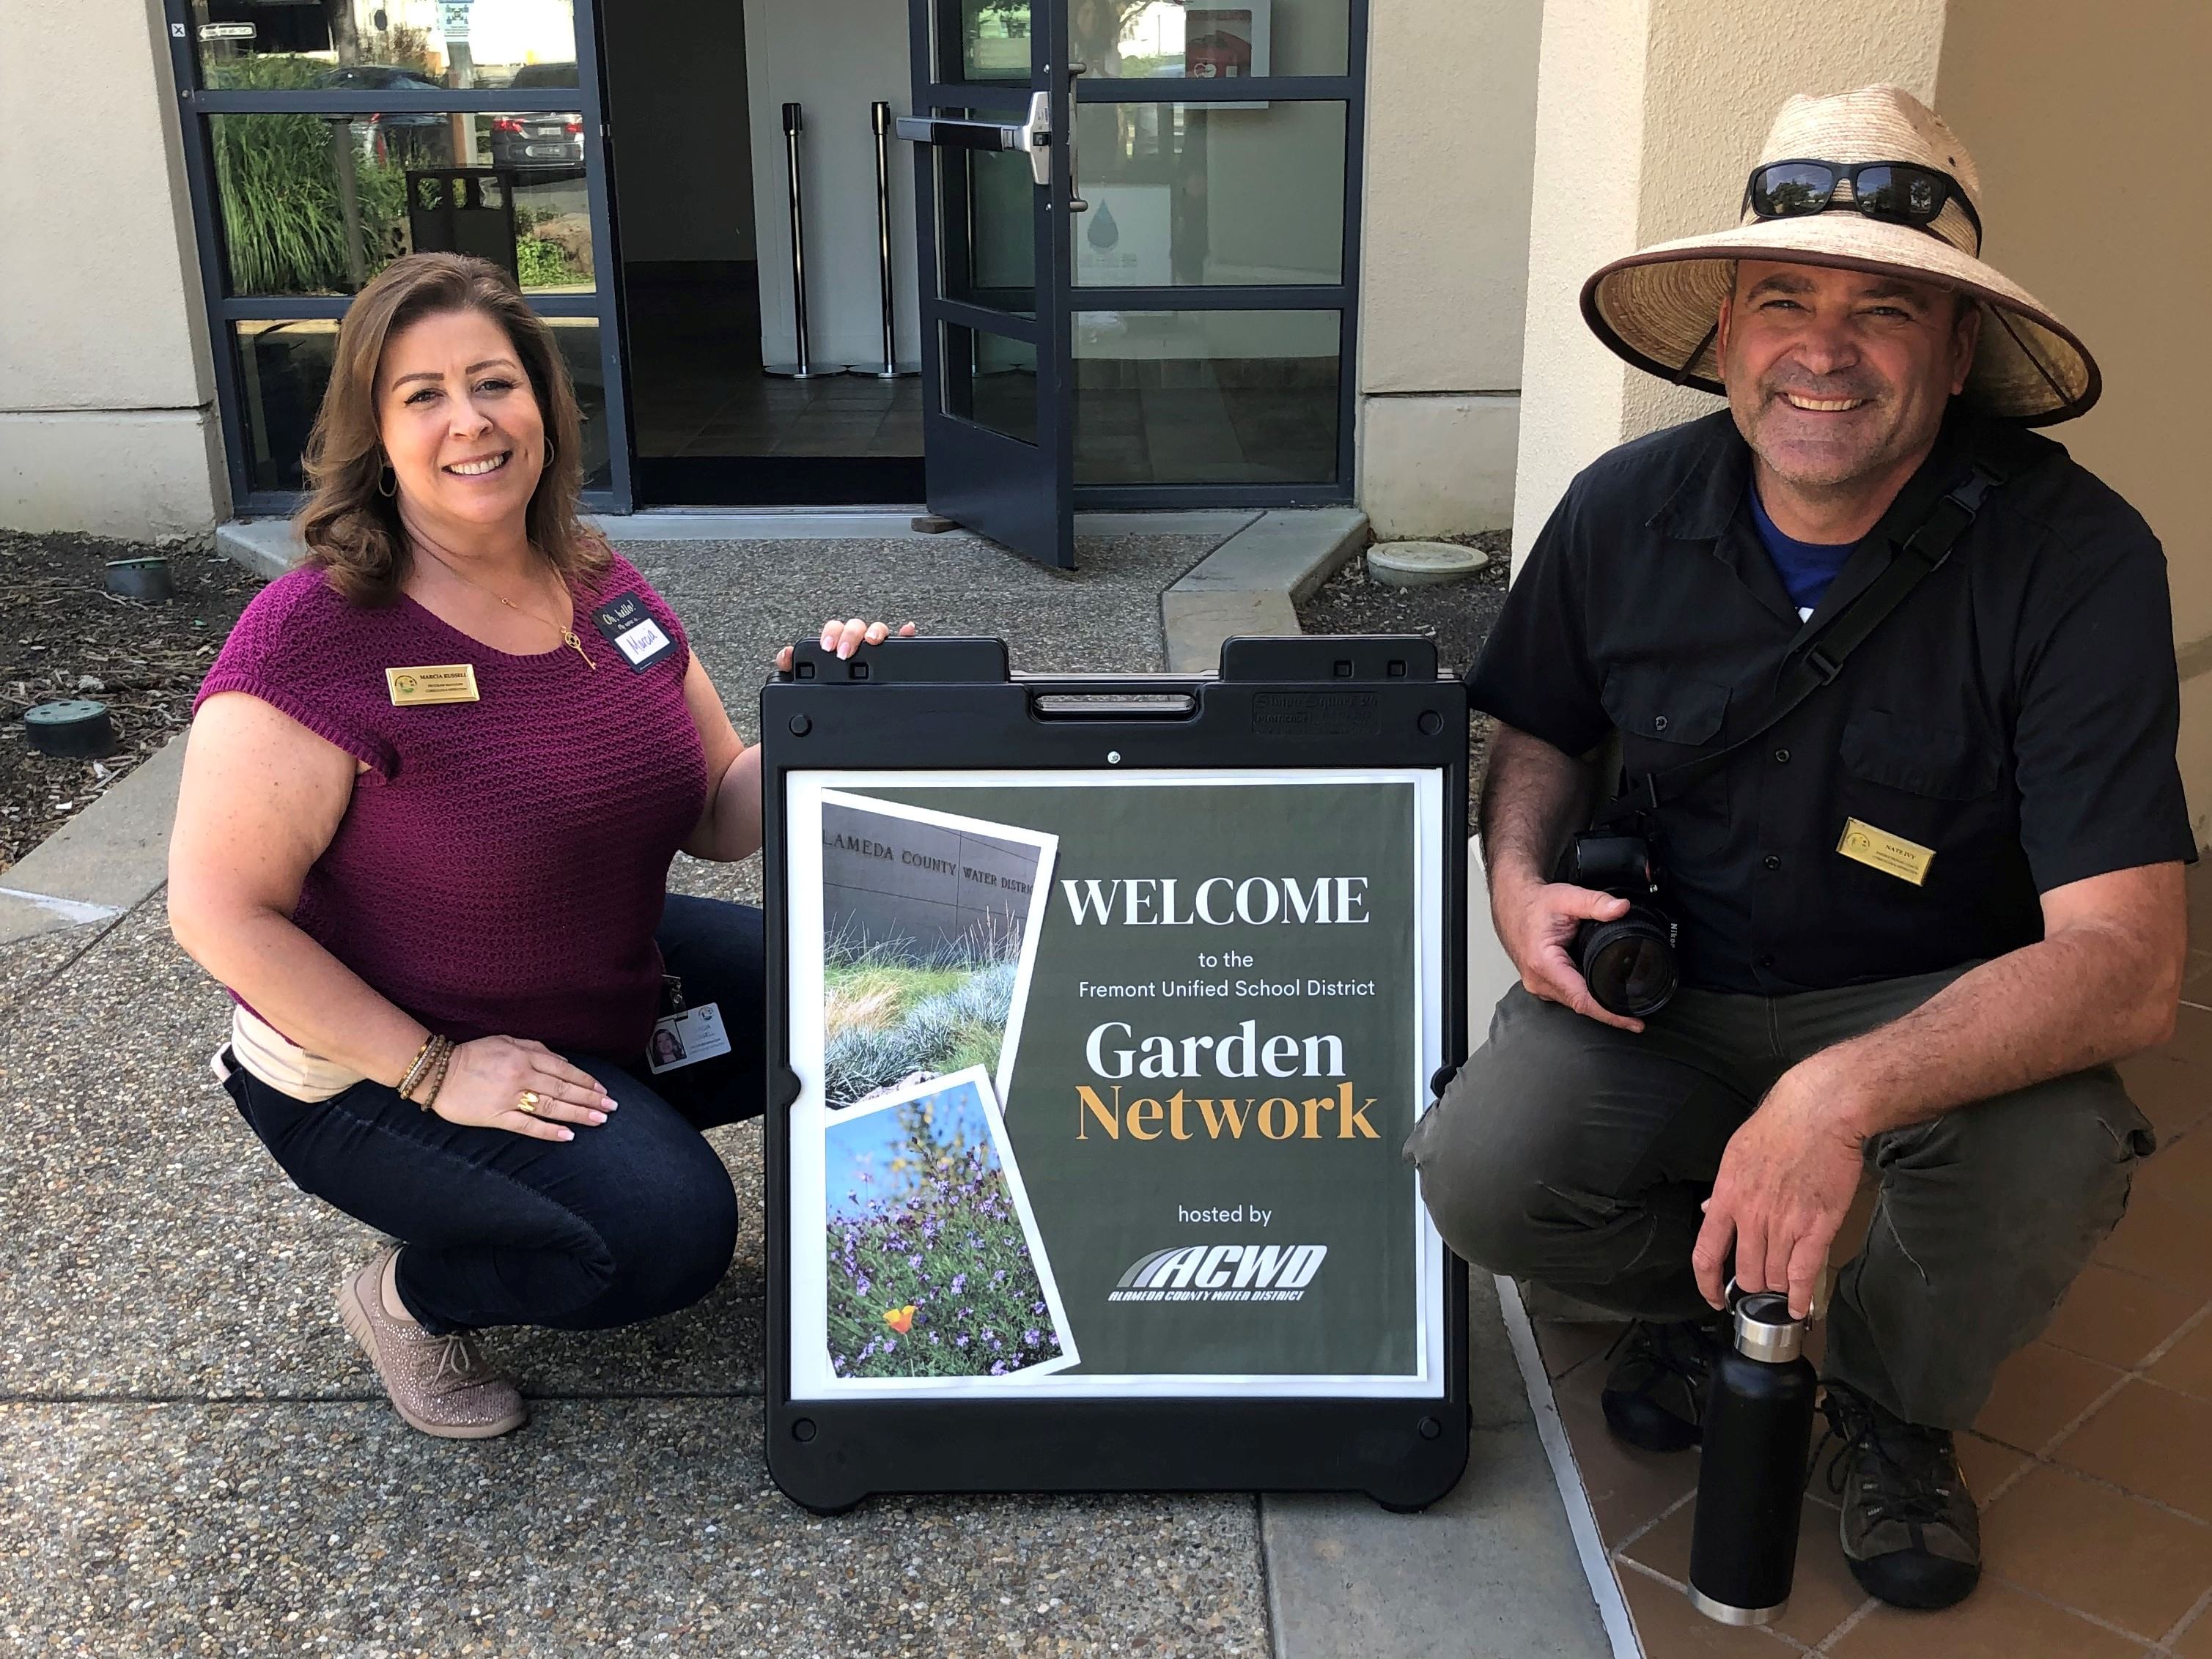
1751, 1475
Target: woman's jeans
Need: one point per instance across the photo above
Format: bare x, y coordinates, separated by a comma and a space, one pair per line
631, 1220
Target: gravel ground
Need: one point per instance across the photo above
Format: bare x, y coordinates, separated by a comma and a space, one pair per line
63, 636
195, 1459
1457, 616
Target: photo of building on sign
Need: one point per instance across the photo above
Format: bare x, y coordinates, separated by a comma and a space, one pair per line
923, 925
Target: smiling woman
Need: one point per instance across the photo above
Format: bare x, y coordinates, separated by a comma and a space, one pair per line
438, 354
435, 780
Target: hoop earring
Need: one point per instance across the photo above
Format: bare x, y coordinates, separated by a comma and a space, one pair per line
546, 465
387, 481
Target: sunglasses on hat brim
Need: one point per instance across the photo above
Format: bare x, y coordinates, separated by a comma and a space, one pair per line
1898, 193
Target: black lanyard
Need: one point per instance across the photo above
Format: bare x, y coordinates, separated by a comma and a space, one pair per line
1822, 661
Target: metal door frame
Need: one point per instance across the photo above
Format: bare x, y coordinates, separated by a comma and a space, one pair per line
948, 440
1056, 309
1350, 89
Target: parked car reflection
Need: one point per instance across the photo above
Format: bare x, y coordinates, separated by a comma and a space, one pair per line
538, 141
416, 139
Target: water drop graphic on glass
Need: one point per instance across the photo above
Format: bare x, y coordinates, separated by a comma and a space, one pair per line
1103, 233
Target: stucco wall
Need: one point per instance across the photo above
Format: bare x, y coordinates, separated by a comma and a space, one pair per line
2088, 123
1649, 112
1451, 110
1588, 187
105, 384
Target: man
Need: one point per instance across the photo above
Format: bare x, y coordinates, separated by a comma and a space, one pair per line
1919, 914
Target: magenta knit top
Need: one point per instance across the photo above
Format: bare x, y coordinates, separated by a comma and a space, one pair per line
500, 868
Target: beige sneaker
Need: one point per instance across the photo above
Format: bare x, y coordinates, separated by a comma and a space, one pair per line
440, 1384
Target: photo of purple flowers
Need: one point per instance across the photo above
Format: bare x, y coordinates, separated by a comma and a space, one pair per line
934, 1267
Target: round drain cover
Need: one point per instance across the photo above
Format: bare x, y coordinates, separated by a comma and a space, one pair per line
139, 579
78, 727
1417, 564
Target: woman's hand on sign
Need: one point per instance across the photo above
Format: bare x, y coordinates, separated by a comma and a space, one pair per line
847, 637
486, 1081
1536, 923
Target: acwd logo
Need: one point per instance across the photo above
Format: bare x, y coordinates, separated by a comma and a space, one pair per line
1222, 1272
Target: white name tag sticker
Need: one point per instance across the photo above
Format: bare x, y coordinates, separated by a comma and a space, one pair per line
687, 1038
632, 629
641, 641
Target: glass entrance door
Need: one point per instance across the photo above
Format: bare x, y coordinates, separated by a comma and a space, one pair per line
991, 102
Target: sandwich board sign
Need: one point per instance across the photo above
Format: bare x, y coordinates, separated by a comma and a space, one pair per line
1100, 1010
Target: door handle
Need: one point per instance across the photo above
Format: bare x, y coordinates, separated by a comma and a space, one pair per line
1075, 202
1033, 137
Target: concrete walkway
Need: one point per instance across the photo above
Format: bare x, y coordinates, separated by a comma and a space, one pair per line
195, 1460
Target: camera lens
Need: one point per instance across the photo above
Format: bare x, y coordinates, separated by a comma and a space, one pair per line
1629, 965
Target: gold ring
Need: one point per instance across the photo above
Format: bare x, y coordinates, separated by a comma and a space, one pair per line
527, 1102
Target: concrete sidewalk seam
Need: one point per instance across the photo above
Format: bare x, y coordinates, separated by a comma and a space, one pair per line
99, 929
1270, 1624
74, 911
1252, 582
1582, 1518
108, 859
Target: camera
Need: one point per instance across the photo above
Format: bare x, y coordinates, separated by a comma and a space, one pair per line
1628, 963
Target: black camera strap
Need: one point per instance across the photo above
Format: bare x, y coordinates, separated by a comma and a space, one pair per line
1922, 556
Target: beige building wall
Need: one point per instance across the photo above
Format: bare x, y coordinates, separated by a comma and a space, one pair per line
1451, 110
1649, 115
106, 418
2089, 125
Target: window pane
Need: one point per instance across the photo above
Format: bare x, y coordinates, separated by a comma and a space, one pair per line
986, 200
991, 380
1205, 397
319, 203
365, 45
985, 40
1189, 194
1168, 39
284, 365
283, 368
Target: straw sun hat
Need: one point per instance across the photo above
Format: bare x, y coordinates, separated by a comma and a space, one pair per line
1656, 307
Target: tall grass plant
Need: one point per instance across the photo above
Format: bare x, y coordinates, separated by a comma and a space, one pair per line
277, 175
893, 1009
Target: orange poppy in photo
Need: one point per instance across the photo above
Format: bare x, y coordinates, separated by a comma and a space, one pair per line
900, 1319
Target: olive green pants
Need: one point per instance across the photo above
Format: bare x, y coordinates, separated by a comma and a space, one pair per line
1576, 1155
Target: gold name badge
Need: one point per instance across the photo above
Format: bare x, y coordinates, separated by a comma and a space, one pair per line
1908, 860
449, 683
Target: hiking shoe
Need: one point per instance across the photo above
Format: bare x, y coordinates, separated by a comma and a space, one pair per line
1910, 1529
440, 1384
1655, 1395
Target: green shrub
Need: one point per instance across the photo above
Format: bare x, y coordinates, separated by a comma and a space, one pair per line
540, 264
283, 218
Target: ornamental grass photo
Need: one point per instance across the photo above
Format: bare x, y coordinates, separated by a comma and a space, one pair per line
924, 918
935, 1267
894, 1011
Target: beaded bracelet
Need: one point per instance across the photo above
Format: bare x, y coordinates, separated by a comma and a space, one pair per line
436, 1080
418, 1066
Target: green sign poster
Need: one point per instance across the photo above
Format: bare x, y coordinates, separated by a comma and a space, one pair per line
1105, 1080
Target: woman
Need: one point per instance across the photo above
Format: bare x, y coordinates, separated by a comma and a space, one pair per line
434, 783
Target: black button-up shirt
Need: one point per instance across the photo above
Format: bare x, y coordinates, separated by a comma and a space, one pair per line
2017, 714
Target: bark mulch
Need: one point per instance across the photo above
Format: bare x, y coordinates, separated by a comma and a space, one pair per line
63, 636
1457, 616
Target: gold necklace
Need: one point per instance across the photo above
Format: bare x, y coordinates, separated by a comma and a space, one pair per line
568, 634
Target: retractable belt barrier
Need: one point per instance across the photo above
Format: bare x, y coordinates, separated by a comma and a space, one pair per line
1099, 1008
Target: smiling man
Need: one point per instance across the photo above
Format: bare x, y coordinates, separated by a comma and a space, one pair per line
1884, 686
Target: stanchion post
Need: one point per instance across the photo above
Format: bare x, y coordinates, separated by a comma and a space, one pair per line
879, 116
803, 369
